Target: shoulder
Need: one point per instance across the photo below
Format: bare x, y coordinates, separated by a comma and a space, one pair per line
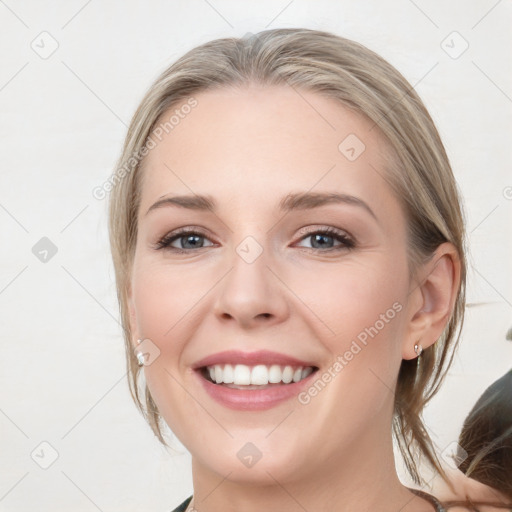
466, 491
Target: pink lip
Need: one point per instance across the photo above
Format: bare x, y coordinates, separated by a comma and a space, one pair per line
253, 399
266, 357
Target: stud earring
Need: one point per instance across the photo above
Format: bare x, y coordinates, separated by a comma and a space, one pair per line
419, 350
140, 355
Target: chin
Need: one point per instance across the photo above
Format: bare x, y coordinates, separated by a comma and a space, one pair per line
246, 462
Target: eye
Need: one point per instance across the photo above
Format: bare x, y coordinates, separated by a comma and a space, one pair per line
323, 239
188, 239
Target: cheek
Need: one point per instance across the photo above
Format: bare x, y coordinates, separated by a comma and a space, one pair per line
165, 300
361, 307
359, 300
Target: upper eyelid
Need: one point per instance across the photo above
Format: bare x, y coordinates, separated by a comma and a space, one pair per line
330, 229
304, 233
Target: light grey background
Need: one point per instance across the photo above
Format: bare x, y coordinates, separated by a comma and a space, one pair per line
63, 119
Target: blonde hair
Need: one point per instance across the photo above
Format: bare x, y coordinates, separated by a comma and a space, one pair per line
419, 172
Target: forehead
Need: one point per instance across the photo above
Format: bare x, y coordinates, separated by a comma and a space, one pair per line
259, 143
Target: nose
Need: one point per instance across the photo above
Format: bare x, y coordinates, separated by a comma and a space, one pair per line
251, 294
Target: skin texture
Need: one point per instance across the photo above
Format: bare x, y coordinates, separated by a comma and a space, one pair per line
248, 148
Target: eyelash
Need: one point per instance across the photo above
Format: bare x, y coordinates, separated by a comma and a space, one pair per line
348, 242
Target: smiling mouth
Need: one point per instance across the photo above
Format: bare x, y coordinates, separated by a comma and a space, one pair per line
245, 377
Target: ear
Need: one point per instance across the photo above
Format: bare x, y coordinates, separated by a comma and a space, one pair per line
431, 301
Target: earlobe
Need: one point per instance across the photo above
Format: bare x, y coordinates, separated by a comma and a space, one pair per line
432, 300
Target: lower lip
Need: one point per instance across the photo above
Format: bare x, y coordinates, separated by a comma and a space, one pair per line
253, 399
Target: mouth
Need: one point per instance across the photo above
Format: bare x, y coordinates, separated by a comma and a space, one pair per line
254, 377
253, 381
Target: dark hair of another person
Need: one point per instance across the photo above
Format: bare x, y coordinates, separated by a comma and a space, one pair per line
486, 440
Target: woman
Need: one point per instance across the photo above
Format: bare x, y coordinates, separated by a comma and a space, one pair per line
289, 252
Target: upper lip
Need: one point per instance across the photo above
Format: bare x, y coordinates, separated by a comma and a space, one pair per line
266, 357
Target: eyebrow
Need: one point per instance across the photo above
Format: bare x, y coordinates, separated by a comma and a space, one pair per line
296, 201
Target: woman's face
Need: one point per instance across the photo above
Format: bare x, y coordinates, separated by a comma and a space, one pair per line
260, 278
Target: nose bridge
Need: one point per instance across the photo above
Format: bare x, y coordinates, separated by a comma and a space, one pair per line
251, 249
250, 291
249, 277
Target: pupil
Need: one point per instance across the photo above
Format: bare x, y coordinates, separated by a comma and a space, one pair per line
319, 237
191, 237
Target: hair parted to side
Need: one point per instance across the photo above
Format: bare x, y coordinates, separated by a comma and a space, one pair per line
418, 171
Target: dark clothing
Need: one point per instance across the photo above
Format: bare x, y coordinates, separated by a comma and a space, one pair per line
437, 506
183, 506
422, 494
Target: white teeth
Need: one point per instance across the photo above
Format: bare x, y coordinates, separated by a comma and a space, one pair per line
242, 374
275, 374
306, 372
261, 375
287, 374
228, 375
